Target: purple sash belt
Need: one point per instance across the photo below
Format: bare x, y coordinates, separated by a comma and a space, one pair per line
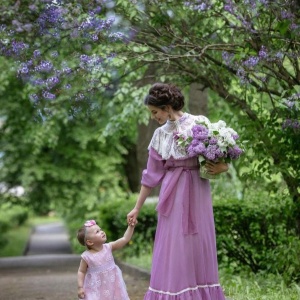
166, 200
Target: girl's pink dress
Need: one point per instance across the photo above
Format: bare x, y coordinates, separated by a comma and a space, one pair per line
103, 280
184, 264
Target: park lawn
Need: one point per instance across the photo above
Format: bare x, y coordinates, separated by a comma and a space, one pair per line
17, 238
242, 286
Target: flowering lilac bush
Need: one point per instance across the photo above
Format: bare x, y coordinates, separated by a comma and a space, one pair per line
56, 48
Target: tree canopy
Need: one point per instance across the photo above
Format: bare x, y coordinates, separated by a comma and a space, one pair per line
74, 71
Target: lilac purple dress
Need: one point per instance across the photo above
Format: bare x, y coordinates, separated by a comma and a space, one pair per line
184, 264
103, 280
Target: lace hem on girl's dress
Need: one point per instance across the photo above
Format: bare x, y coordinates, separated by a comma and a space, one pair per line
163, 140
200, 292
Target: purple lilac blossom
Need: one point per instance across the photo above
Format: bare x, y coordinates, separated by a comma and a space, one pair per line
38, 81
290, 123
229, 6
18, 47
263, 52
196, 149
198, 5
252, 61
227, 58
234, 152
51, 16
36, 53
213, 152
34, 97
44, 66
235, 136
52, 81
200, 132
213, 140
48, 95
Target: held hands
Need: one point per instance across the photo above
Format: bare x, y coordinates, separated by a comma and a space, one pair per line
80, 293
132, 217
216, 168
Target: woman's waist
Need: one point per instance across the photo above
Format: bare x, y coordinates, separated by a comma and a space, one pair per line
190, 164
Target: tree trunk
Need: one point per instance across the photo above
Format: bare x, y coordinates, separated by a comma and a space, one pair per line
197, 102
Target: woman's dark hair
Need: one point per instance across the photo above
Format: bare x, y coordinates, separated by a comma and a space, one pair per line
163, 94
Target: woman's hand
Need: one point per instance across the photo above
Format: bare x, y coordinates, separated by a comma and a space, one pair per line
132, 217
215, 168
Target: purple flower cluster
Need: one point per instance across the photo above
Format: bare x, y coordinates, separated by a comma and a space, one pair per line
44, 69
199, 5
210, 144
292, 124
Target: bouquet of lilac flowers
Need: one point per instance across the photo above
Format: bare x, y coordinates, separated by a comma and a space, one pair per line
211, 141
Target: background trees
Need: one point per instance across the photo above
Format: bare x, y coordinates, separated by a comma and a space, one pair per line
74, 73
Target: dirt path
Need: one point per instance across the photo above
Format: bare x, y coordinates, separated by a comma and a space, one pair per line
49, 270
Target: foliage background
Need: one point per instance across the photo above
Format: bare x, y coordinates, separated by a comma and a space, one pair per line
73, 76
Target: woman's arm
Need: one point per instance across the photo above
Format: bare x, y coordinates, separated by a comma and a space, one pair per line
144, 193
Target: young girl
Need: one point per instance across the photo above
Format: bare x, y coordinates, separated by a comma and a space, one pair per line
98, 276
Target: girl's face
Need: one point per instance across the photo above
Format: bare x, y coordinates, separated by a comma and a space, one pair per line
96, 235
158, 114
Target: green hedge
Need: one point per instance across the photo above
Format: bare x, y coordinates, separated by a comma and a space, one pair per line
258, 235
113, 218
11, 216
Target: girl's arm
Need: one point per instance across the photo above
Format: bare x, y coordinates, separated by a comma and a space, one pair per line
80, 278
132, 216
120, 243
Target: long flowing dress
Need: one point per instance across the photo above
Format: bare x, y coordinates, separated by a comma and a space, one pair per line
184, 263
103, 280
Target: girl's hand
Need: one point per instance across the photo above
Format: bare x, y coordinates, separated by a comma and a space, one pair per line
80, 293
216, 167
132, 217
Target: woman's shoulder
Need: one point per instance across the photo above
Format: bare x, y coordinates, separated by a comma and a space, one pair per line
200, 118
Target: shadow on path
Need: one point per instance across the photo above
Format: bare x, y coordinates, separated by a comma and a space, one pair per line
48, 270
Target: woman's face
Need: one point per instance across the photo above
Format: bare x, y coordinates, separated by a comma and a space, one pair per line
158, 114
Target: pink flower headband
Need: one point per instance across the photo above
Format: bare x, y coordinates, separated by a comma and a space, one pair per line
89, 223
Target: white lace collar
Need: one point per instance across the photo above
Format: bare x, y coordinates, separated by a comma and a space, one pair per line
163, 138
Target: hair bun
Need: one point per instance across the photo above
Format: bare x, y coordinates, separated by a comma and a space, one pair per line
162, 94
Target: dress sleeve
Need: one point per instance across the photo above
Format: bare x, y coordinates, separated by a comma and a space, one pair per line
153, 175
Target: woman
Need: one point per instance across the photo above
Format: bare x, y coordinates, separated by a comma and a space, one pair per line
184, 264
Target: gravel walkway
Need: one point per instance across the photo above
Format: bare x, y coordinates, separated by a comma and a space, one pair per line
49, 271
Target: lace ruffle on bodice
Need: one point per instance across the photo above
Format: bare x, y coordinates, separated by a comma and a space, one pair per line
164, 142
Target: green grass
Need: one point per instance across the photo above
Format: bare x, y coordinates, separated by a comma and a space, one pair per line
257, 287
244, 286
16, 241
143, 261
17, 238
